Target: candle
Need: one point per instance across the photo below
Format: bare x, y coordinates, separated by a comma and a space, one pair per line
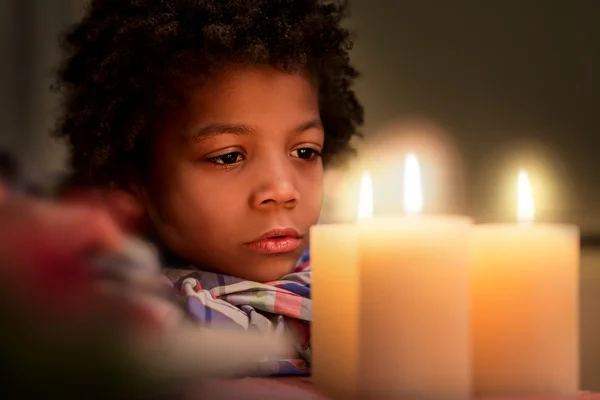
525, 305
391, 303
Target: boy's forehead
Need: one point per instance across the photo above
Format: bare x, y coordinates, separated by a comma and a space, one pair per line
250, 81
245, 101
250, 94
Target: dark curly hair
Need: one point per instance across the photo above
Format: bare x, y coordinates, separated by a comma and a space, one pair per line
126, 59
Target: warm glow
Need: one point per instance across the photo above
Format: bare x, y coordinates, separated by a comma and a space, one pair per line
525, 211
413, 189
365, 199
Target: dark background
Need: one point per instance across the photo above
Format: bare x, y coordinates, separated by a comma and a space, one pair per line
510, 82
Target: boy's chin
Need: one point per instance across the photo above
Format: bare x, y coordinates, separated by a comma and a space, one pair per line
270, 268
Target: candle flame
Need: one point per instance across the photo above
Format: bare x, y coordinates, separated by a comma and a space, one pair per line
525, 209
365, 199
413, 190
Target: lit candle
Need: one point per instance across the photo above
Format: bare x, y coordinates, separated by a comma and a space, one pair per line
391, 303
525, 305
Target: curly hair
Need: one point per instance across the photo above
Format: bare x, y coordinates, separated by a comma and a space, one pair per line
123, 64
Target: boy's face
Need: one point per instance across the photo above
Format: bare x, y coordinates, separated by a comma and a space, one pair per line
236, 177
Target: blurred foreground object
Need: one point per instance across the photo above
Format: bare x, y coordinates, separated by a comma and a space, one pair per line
120, 204
102, 327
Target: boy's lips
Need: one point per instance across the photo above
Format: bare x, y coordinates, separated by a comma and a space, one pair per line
275, 241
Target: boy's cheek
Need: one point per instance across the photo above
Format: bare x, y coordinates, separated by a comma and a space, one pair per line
317, 192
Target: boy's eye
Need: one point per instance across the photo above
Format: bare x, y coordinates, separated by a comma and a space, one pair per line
305, 153
229, 158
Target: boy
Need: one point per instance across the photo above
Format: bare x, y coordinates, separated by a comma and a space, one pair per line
214, 120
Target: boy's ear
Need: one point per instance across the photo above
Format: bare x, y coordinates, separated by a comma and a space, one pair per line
126, 205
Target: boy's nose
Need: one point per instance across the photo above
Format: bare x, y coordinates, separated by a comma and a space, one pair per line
279, 194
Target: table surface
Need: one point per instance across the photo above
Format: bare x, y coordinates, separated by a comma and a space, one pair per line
301, 389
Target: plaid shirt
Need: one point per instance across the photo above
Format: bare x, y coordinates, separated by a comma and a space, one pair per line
283, 307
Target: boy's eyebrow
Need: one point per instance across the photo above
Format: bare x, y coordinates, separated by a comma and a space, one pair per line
239, 129
220, 129
314, 124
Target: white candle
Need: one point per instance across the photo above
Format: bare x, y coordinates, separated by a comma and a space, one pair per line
525, 305
390, 304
